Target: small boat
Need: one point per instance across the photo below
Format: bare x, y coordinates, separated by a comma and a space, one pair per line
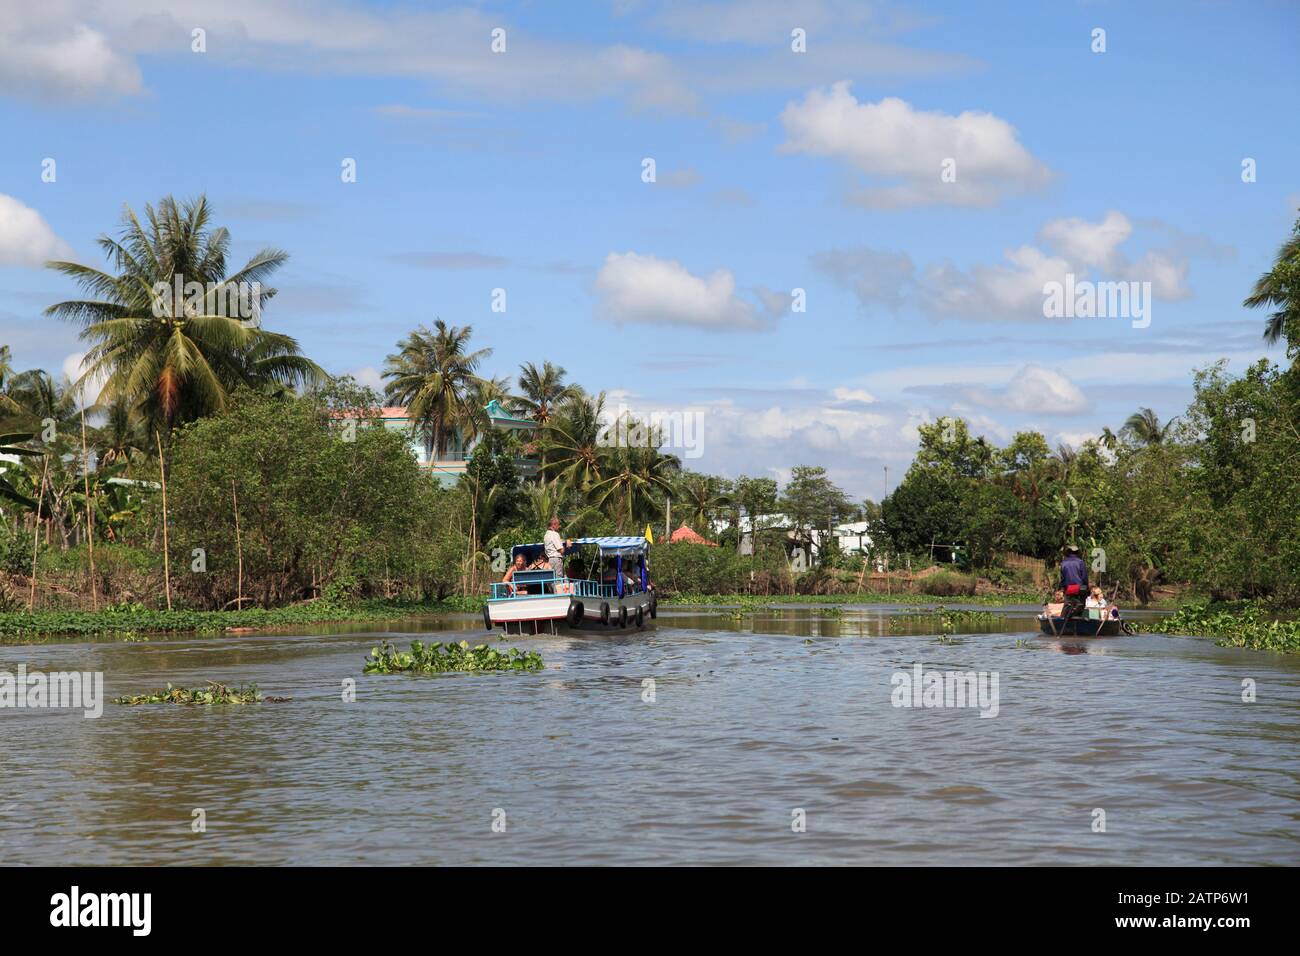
1092, 623
540, 601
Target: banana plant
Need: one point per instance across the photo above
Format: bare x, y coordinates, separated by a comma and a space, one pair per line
11, 445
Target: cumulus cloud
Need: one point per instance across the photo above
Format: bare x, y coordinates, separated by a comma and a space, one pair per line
902, 150
26, 239
48, 52
1033, 389
1013, 288
631, 287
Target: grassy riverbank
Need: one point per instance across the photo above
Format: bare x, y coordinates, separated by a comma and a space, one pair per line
867, 597
128, 621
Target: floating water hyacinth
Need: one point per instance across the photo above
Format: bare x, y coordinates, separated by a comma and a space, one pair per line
439, 658
948, 620
214, 693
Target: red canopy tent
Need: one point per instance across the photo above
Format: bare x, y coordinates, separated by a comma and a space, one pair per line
687, 536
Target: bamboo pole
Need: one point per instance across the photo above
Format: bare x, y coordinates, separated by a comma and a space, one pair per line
90, 521
162, 475
239, 551
36, 531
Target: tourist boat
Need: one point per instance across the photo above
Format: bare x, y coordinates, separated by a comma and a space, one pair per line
540, 601
1094, 622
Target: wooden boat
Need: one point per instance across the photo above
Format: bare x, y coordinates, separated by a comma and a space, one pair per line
1086, 626
540, 601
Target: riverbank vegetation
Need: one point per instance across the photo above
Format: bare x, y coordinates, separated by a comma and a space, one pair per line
1235, 624
137, 620
218, 471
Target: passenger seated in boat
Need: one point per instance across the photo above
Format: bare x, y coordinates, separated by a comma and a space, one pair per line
1095, 598
519, 565
1056, 606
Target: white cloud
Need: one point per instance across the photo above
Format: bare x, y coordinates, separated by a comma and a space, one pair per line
80, 48
855, 395
26, 239
1013, 288
73, 369
369, 376
1033, 389
906, 148
631, 287
47, 52
1088, 243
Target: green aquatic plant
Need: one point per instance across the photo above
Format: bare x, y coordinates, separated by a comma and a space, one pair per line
214, 693
1234, 623
439, 658
947, 620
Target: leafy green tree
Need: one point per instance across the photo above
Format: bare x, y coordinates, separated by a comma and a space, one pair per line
1144, 427
811, 500
542, 390
698, 500
436, 377
757, 498
175, 357
315, 510
571, 442
1279, 290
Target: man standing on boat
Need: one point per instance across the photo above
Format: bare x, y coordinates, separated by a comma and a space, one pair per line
1074, 580
554, 546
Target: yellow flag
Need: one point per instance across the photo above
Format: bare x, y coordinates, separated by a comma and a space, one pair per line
649, 535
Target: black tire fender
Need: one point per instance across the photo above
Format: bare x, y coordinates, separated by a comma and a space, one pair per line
640, 616
575, 614
604, 612
487, 617
622, 616
654, 606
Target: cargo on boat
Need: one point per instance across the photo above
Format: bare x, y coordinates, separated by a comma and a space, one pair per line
606, 584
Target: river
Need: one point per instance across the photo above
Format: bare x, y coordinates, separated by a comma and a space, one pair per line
769, 737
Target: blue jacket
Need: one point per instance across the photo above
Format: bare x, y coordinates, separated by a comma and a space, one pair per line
1074, 571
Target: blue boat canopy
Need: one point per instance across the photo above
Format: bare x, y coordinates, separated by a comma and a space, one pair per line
625, 547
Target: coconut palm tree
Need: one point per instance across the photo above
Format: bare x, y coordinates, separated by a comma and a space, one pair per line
698, 500
174, 353
13, 444
636, 478
494, 389
436, 377
1144, 427
122, 437
571, 442
542, 390
40, 397
7, 403
1279, 289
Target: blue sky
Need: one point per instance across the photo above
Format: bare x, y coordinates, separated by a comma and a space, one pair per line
775, 171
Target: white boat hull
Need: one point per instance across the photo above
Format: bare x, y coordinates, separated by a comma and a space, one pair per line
554, 610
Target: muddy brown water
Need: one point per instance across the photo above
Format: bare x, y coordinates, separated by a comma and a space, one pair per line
772, 738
